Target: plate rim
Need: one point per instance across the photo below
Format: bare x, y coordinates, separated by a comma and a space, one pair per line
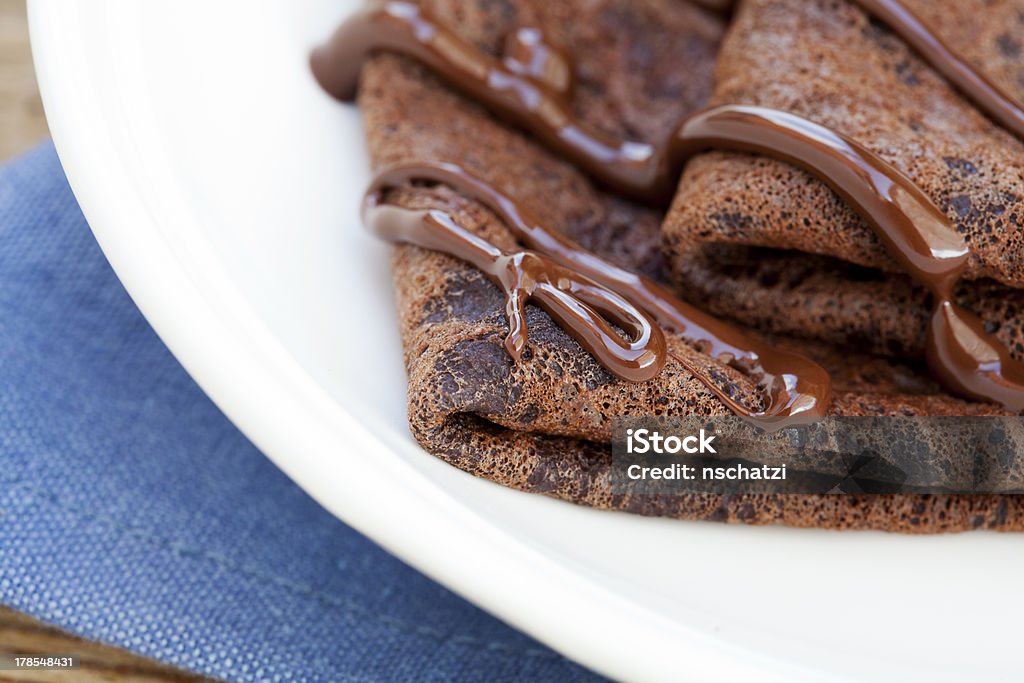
568, 620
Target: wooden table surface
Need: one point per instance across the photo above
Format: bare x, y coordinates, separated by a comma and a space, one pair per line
21, 126
21, 114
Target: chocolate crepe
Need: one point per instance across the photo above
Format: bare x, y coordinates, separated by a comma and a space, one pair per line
543, 424
767, 244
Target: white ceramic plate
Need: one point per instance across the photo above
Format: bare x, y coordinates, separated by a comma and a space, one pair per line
223, 186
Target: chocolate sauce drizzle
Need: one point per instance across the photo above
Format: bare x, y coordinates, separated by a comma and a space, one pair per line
634, 169
973, 84
531, 87
580, 305
794, 386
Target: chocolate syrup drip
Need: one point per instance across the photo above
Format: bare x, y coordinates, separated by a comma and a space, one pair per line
794, 386
973, 84
580, 305
527, 54
631, 168
966, 359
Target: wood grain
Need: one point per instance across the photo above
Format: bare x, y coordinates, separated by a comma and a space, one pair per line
21, 113
21, 126
20, 635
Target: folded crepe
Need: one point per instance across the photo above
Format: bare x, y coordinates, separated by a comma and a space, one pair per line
543, 424
767, 244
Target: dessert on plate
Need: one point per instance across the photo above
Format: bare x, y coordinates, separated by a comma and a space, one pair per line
783, 210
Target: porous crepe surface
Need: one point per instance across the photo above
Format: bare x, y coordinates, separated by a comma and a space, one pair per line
989, 34
825, 60
540, 425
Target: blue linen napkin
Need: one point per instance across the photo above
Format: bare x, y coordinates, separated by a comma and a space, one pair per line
132, 512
